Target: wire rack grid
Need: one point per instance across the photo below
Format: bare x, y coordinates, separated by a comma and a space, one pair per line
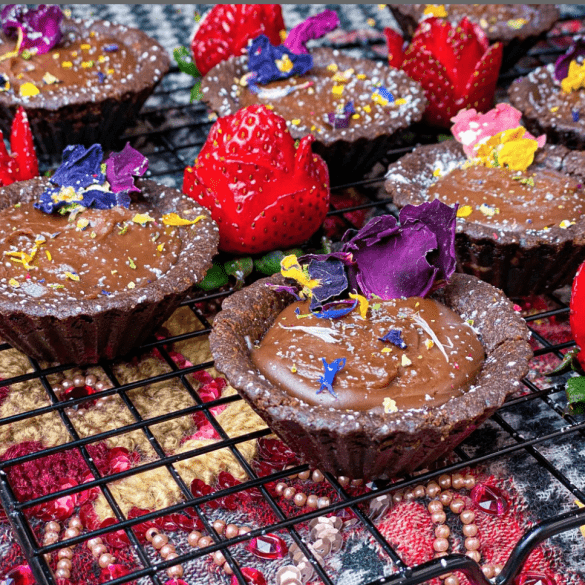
170, 132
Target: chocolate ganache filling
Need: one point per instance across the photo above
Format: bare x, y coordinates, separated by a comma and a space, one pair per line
97, 252
433, 356
498, 198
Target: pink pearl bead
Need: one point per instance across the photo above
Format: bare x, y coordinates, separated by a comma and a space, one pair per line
93, 541
469, 530
317, 476
488, 571
472, 543
442, 531
62, 574
305, 474
76, 522
65, 553
289, 493
420, 492
51, 537
452, 580
52, 526
398, 497
227, 569
193, 537
218, 558
71, 533
467, 516
323, 502
300, 499
175, 572
150, 534
473, 554
440, 544
446, 497
79, 381
64, 564
245, 529
159, 541
98, 550
204, 541
166, 550
439, 517
100, 385
171, 556
90, 380
456, 506
435, 506
312, 501
445, 481
409, 495
433, 489
66, 383
497, 569
219, 526
231, 531
105, 560
469, 481
343, 481
457, 481
280, 487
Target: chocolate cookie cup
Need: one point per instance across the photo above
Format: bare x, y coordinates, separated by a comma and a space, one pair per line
517, 26
84, 330
547, 109
519, 260
76, 104
372, 444
350, 151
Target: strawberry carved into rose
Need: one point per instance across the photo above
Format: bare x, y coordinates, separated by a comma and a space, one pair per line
456, 66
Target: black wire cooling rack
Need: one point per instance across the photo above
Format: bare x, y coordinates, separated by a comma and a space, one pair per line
170, 132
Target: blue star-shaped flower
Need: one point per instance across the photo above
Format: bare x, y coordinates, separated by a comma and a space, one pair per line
328, 377
394, 336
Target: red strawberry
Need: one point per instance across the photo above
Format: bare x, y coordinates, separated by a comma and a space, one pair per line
395, 43
263, 193
226, 29
455, 65
22, 147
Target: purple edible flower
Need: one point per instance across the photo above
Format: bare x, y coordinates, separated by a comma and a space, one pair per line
328, 377
111, 48
575, 51
80, 168
104, 199
394, 336
122, 167
101, 77
289, 289
312, 28
340, 119
41, 26
575, 114
270, 63
403, 260
332, 277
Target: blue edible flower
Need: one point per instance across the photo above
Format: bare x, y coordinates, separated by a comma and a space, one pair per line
394, 336
270, 63
328, 377
80, 167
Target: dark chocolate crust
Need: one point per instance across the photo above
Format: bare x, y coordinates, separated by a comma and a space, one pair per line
518, 262
540, 19
531, 95
90, 329
66, 117
350, 151
373, 444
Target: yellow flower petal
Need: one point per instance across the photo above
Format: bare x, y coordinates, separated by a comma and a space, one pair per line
174, 219
142, 218
518, 155
290, 268
389, 405
29, 89
363, 304
464, 211
437, 10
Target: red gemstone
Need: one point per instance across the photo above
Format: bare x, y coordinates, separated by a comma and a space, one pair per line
252, 576
534, 578
20, 575
78, 392
268, 546
113, 571
490, 499
89, 517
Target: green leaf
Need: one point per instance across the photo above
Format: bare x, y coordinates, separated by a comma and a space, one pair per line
569, 363
216, 277
239, 268
269, 264
196, 93
576, 394
184, 60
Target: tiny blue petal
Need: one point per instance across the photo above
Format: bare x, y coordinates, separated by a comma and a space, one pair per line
394, 336
336, 309
575, 114
328, 377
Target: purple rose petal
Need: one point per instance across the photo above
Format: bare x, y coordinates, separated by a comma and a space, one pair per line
312, 28
328, 377
391, 259
263, 57
41, 26
122, 167
562, 63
